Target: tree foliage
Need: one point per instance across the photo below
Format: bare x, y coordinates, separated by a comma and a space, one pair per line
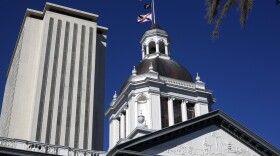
219, 9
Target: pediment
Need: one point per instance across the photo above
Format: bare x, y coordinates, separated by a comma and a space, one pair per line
212, 134
210, 141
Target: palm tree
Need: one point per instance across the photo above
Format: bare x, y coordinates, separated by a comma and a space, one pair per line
213, 9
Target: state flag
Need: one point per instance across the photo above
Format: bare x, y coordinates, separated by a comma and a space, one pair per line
144, 18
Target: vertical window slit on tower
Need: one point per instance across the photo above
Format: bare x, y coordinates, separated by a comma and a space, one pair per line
177, 111
80, 83
53, 82
71, 83
152, 47
190, 110
44, 81
164, 112
62, 84
162, 47
88, 88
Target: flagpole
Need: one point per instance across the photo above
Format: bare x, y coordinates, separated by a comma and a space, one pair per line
154, 14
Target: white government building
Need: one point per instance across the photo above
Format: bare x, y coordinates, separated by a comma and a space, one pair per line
55, 84
54, 97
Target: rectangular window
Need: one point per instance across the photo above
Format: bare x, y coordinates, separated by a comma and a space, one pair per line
164, 112
177, 111
190, 111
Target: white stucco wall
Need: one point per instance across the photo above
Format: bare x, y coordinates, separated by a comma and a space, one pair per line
22, 108
210, 141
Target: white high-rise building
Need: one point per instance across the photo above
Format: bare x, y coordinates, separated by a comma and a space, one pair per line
55, 84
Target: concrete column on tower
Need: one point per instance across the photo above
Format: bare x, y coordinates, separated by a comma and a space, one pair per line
166, 49
127, 121
115, 132
184, 110
147, 50
143, 52
201, 109
122, 129
170, 111
157, 47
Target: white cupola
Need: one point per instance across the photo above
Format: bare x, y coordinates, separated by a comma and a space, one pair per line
155, 42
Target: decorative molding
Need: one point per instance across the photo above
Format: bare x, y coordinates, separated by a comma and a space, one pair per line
177, 82
7, 143
46, 148
212, 144
171, 98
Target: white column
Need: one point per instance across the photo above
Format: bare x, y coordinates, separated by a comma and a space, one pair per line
122, 126
201, 108
197, 110
184, 110
111, 134
143, 54
114, 132
127, 121
147, 50
166, 49
155, 116
170, 111
157, 47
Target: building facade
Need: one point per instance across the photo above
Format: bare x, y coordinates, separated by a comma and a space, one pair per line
55, 84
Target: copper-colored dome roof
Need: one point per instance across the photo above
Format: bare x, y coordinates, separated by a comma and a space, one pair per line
165, 67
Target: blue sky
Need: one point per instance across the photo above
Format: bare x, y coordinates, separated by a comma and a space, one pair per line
241, 67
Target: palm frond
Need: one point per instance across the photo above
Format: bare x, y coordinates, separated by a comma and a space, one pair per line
212, 9
245, 8
225, 10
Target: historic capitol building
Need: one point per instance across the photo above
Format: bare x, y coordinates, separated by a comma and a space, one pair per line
54, 97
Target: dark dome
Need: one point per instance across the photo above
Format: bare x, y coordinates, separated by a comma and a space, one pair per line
165, 67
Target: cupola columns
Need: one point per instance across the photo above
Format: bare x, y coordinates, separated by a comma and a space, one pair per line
166, 50
143, 52
155, 43
147, 49
157, 47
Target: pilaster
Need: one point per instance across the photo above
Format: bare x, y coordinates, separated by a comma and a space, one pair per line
122, 123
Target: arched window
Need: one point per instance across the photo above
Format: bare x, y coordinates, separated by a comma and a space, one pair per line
164, 112
152, 47
162, 47
190, 111
177, 111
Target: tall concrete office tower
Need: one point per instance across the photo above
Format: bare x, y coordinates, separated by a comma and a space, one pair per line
55, 84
